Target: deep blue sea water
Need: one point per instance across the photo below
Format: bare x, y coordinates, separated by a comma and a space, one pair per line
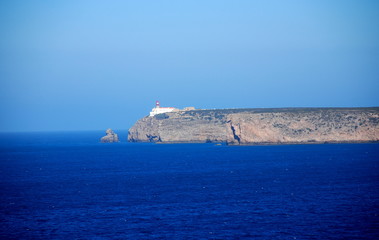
69, 186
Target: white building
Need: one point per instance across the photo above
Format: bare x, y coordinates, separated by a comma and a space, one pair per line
158, 109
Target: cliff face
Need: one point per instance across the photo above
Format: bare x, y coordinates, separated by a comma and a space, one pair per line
260, 126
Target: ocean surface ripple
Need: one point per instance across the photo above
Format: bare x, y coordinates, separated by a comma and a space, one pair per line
69, 186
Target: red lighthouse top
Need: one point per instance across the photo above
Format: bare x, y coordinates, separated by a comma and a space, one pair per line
157, 104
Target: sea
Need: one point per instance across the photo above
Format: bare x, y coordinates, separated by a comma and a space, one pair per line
68, 185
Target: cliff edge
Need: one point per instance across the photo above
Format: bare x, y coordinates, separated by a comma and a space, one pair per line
260, 126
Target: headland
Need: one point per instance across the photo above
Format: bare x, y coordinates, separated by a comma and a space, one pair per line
259, 126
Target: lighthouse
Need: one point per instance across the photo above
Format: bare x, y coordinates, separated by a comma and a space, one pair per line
158, 109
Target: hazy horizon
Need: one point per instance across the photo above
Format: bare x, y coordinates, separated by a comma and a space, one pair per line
93, 65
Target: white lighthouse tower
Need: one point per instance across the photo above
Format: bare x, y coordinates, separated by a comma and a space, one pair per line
158, 109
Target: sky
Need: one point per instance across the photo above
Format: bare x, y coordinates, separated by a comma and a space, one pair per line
91, 65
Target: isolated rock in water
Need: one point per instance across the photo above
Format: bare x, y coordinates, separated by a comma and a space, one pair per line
110, 137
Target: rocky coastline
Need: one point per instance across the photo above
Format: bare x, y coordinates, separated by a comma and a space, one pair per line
260, 126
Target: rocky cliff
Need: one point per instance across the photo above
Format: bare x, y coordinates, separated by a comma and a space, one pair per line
260, 126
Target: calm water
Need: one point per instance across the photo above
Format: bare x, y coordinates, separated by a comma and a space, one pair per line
69, 186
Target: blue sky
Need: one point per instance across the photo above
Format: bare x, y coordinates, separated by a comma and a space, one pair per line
88, 65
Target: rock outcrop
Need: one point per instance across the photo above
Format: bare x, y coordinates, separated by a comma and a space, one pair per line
111, 137
260, 126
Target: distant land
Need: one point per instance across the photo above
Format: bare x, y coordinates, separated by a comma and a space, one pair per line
259, 126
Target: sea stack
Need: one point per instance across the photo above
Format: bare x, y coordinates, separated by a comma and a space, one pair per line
111, 137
